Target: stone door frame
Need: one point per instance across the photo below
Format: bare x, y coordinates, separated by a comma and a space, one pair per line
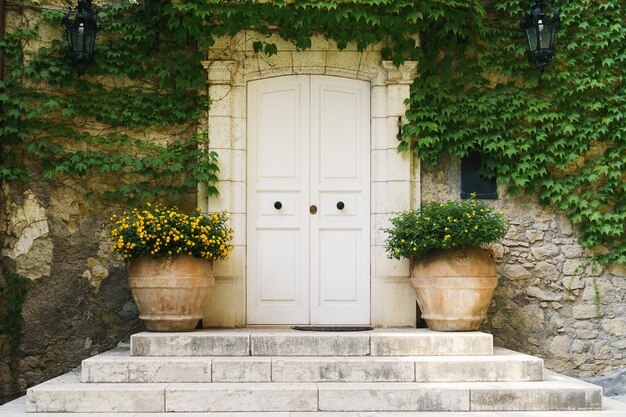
395, 178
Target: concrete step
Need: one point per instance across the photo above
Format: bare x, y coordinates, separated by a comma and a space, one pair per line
118, 366
556, 392
287, 342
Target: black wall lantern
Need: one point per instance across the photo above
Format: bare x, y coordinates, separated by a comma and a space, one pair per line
540, 27
79, 29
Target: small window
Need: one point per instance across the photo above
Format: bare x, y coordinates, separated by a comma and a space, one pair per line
473, 182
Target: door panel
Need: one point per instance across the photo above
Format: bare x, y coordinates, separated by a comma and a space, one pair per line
278, 176
278, 266
337, 116
309, 144
338, 264
340, 241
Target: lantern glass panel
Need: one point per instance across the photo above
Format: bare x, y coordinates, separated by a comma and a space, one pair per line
545, 34
533, 37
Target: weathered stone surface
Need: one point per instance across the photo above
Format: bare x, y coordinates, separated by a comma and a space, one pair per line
504, 365
546, 251
392, 397
537, 396
363, 369
585, 311
426, 342
615, 326
27, 235
66, 395
571, 251
112, 367
546, 270
619, 270
560, 346
243, 369
240, 397
515, 271
573, 283
309, 344
539, 294
534, 235
199, 343
571, 267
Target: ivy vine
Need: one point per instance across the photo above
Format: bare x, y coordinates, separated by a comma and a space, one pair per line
132, 126
561, 136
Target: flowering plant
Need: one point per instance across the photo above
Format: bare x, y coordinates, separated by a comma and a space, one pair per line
447, 225
163, 231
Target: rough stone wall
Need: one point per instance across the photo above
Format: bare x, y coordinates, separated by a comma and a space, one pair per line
78, 303
545, 304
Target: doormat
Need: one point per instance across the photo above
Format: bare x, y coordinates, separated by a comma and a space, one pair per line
333, 328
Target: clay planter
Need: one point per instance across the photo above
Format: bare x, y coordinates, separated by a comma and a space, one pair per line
454, 288
171, 293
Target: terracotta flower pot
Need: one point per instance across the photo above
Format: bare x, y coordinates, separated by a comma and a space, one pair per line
454, 288
171, 293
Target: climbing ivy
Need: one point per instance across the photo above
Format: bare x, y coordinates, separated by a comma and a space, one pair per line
131, 126
560, 136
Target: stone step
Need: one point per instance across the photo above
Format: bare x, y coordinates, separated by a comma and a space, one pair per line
557, 392
505, 365
287, 342
610, 408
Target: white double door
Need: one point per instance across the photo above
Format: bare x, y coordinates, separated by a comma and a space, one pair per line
308, 223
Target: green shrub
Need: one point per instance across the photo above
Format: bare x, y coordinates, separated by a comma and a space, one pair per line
447, 225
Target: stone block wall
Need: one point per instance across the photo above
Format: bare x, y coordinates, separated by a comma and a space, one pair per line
78, 303
545, 303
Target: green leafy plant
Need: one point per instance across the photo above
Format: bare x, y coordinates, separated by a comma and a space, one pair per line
560, 136
162, 231
441, 226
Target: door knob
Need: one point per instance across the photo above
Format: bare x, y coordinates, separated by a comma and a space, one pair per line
278, 205
313, 209
340, 205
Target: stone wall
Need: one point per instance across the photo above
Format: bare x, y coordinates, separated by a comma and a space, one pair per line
78, 303
545, 304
